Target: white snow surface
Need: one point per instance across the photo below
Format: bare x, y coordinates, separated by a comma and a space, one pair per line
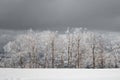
59, 74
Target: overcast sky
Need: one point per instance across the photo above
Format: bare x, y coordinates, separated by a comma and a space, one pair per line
59, 14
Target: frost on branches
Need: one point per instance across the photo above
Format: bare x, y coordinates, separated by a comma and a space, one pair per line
76, 48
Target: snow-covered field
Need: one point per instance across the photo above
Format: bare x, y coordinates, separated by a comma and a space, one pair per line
59, 74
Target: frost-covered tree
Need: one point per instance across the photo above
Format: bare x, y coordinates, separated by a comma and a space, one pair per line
77, 41
24, 49
76, 48
116, 53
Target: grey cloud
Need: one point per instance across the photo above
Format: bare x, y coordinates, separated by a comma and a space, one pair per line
59, 14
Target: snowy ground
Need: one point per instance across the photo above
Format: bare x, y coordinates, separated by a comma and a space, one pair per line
59, 74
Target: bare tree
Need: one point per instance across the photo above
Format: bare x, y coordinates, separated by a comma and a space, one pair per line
116, 48
100, 52
53, 36
93, 46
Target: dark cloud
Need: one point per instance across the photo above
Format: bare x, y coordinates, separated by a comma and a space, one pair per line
59, 14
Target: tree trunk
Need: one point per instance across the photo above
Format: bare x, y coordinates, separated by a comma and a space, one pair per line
93, 52
53, 58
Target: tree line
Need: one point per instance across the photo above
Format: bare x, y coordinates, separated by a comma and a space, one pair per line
76, 48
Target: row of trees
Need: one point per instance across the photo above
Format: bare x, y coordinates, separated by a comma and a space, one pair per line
77, 48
